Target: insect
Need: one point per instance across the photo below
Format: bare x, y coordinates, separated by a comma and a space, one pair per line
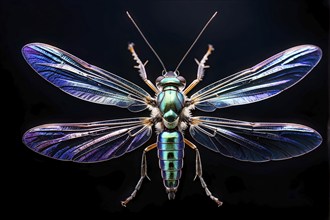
171, 109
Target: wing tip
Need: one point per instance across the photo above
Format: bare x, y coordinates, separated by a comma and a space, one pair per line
25, 49
24, 138
319, 139
311, 48
27, 135
315, 49
33, 147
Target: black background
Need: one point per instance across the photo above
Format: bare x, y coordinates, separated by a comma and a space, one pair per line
243, 34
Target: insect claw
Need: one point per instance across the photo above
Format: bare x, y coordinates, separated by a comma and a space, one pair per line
148, 177
123, 203
216, 200
131, 47
210, 49
219, 203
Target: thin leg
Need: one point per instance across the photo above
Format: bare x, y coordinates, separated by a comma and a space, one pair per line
140, 66
200, 70
199, 173
143, 174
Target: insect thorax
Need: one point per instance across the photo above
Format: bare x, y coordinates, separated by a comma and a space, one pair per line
170, 100
170, 103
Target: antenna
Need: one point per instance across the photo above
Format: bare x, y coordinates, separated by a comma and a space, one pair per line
145, 39
198, 36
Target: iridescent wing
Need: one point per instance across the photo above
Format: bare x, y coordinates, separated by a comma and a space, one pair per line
260, 82
255, 142
82, 80
89, 142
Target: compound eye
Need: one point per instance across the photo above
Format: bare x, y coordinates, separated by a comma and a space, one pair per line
159, 79
182, 80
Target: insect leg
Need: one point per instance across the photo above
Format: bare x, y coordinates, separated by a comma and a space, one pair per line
199, 172
143, 174
200, 70
140, 66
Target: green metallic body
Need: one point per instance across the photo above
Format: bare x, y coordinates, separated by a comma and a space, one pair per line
170, 103
170, 146
170, 142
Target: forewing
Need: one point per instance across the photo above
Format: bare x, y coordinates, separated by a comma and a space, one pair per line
260, 82
89, 142
256, 142
82, 80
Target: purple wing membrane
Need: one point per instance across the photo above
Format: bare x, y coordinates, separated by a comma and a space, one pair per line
254, 142
82, 80
260, 82
88, 142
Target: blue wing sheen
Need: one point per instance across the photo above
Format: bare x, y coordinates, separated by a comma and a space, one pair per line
254, 142
82, 80
260, 82
89, 142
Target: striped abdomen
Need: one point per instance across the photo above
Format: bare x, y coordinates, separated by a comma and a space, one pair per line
170, 153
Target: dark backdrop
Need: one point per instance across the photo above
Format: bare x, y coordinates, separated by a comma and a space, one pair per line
243, 34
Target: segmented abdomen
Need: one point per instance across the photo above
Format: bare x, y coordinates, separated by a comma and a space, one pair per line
170, 153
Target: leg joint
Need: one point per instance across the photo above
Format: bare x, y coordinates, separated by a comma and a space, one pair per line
190, 144
150, 147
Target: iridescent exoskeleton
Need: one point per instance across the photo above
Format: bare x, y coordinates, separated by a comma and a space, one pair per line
171, 116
